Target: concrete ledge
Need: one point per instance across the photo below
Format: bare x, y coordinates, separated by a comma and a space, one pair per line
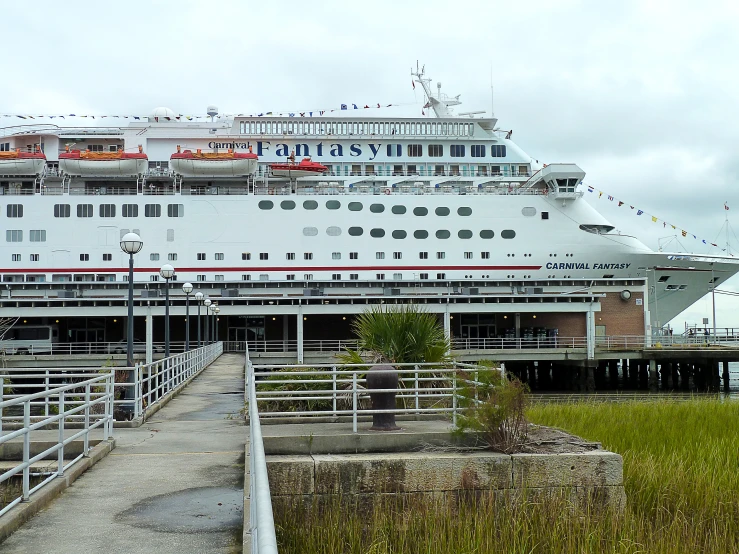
41, 498
595, 468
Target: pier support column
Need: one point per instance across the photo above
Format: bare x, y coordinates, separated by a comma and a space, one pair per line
590, 332
725, 376
300, 334
653, 380
285, 332
149, 335
589, 372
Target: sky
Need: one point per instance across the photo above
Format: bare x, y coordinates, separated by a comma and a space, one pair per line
641, 95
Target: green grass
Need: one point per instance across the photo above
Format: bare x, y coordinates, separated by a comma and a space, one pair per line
681, 473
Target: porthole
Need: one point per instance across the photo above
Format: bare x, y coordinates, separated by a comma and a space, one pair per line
398, 209
333, 204
377, 233
333, 231
443, 234
356, 231
464, 210
486, 234
399, 234
421, 234
266, 204
464, 234
528, 211
377, 208
442, 211
310, 204
310, 231
508, 234
355, 206
420, 210
287, 205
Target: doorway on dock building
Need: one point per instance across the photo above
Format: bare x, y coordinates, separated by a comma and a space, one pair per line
477, 326
243, 328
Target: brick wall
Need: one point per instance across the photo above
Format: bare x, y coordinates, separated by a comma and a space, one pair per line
621, 317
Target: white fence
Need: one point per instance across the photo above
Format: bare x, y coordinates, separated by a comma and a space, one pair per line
67, 348
261, 519
89, 402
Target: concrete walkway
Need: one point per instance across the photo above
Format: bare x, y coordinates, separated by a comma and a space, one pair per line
175, 484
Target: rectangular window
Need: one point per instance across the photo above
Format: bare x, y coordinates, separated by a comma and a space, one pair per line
107, 257
456, 150
220, 278
201, 277
307, 276
397, 255
61, 210
95, 147
353, 255
468, 255
380, 276
172, 257
336, 276
354, 276
14, 235
423, 255
130, 210
153, 277
264, 256
308, 256
201, 256
16, 257
415, 150
84, 210
477, 150
394, 150
37, 235
34, 257
440, 255
424, 276
219, 256
84, 257
154, 257
175, 210
545, 215
335, 255
246, 255
152, 210
245, 277
379, 255
485, 255
436, 150
290, 276
497, 150
441, 275
397, 276
107, 210
15, 210
290, 256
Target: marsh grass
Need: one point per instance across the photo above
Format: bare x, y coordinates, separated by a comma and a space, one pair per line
681, 473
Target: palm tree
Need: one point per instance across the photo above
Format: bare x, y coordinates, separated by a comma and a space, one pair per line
398, 334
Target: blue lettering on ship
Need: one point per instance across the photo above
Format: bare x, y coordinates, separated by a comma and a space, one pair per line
586, 265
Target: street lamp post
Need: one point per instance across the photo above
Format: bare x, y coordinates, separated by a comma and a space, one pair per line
199, 299
713, 301
207, 302
213, 307
218, 310
131, 244
187, 289
167, 272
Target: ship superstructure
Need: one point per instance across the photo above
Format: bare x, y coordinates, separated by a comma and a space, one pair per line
411, 205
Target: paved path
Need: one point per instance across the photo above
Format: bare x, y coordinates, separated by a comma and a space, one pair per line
175, 484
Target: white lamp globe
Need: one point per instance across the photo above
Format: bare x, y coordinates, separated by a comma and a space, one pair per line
199, 296
167, 271
131, 243
187, 288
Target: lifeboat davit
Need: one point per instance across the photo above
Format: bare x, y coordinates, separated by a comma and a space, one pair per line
22, 163
292, 170
104, 164
213, 164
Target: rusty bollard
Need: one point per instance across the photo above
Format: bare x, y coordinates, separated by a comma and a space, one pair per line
383, 377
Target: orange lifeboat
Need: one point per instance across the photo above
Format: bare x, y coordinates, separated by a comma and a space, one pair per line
104, 164
292, 170
22, 163
213, 164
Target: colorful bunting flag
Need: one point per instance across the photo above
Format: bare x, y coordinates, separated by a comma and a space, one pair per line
639, 212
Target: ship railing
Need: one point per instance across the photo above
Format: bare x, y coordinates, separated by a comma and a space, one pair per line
87, 403
134, 391
519, 343
261, 530
339, 391
41, 348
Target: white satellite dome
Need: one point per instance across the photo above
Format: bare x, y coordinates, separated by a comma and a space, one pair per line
162, 113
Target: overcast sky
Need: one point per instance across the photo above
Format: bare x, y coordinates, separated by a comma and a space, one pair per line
641, 95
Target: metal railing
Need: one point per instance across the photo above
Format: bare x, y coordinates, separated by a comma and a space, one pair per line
62, 348
135, 390
261, 519
89, 401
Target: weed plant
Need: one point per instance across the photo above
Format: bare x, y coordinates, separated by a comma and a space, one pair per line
681, 474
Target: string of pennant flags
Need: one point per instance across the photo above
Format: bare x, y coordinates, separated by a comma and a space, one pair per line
654, 218
178, 117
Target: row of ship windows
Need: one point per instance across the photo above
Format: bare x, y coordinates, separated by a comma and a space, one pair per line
309, 277
105, 210
398, 209
354, 128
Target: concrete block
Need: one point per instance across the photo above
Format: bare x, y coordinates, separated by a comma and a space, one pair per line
589, 469
482, 470
290, 475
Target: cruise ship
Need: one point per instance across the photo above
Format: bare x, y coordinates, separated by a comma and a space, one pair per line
289, 221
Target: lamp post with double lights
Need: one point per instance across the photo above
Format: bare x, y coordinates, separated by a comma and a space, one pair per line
131, 244
167, 272
187, 289
207, 302
199, 299
213, 307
